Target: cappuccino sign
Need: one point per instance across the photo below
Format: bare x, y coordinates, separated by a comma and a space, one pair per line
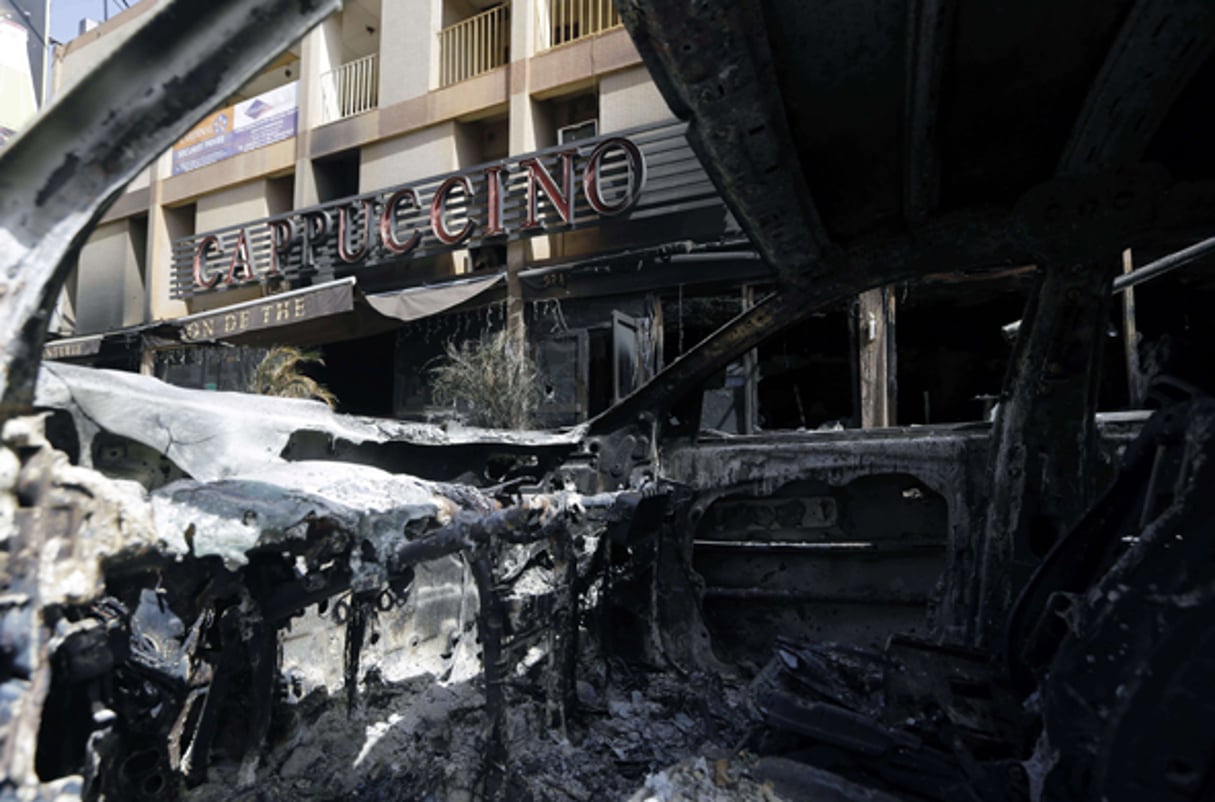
554, 190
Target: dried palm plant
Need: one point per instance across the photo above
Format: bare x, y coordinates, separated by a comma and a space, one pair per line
279, 374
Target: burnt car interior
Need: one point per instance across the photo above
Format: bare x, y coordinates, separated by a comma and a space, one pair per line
977, 567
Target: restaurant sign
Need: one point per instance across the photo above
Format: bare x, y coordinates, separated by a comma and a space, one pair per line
296, 306
630, 175
72, 348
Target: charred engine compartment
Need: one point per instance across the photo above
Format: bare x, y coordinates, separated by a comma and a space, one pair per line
327, 630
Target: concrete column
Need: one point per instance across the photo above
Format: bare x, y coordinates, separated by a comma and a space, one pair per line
523, 15
523, 139
320, 52
1130, 337
109, 292
161, 233
409, 49
522, 47
875, 357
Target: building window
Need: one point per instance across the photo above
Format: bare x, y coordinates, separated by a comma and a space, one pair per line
482, 140
567, 119
336, 176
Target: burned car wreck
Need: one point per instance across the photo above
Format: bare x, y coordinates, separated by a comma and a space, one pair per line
263, 599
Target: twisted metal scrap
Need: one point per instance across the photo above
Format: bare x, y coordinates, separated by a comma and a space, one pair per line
60, 175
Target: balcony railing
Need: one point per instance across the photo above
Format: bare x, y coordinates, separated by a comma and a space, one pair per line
351, 89
563, 21
474, 45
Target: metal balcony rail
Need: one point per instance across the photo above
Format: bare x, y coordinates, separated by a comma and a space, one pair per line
563, 21
351, 89
474, 45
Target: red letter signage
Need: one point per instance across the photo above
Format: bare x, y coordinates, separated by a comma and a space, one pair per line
240, 260
562, 198
200, 262
438, 206
388, 219
344, 252
281, 234
593, 179
493, 194
317, 226
388, 227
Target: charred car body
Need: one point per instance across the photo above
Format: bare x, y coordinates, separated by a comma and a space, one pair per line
1013, 610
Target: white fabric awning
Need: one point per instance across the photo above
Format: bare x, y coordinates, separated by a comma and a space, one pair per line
421, 302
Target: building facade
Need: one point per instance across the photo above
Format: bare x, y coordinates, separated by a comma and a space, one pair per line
23, 46
414, 174
407, 175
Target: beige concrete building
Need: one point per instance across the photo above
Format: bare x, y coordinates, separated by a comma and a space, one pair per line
285, 215
18, 101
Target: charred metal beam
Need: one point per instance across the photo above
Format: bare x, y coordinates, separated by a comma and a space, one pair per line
361, 609
263, 675
1043, 446
814, 597
469, 530
198, 754
929, 26
490, 626
1157, 50
1126, 697
1148, 479
561, 693
60, 175
1165, 264
712, 62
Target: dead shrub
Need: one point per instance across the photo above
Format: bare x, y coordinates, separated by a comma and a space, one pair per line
492, 380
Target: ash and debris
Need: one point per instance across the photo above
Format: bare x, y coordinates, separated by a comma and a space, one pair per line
702, 779
641, 736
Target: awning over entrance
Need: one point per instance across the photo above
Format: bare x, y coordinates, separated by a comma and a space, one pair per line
335, 311
284, 309
73, 347
417, 303
330, 312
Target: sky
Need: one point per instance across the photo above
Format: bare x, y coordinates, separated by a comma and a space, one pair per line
65, 20
66, 15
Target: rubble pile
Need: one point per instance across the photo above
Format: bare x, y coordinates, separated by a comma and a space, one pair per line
424, 740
